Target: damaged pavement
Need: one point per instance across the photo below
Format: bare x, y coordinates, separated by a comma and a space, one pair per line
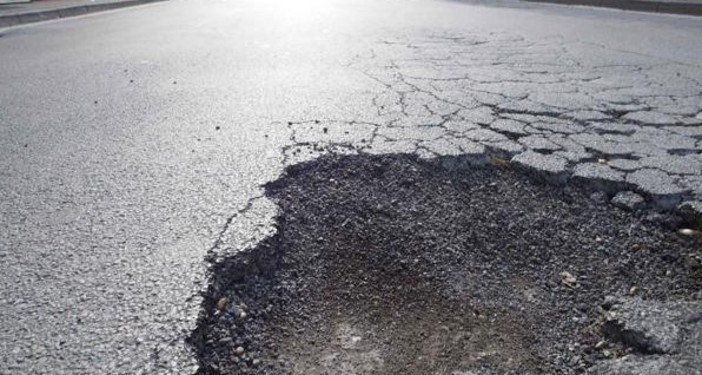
535, 180
397, 265
432, 260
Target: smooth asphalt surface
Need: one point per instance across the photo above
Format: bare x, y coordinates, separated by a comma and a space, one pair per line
132, 143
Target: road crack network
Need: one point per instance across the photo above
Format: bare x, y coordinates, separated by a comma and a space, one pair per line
605, 116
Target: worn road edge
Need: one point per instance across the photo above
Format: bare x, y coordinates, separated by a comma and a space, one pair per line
45, 15
637, 5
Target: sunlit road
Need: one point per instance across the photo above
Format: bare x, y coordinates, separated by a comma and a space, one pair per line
131, 140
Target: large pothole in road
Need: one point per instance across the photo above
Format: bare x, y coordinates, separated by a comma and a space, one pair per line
391, 265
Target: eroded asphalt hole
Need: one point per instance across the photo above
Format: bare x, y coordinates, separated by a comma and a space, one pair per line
392, 265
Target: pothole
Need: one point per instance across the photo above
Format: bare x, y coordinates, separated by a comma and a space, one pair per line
392, 265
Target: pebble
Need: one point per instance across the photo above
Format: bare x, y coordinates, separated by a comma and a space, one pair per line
239, 350
609, 302
567, 278
222, 303
690, 232
600, 345
598, 197
634, 290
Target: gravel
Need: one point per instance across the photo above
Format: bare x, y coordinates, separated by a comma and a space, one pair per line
394, 265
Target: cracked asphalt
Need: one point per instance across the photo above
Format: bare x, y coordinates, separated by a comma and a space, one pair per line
134, 143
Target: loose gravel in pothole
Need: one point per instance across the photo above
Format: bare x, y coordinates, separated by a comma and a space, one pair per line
392, 265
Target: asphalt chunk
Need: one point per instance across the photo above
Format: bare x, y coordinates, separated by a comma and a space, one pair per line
394, 265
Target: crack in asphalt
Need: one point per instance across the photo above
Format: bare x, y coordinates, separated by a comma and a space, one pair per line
219, 240
601, 115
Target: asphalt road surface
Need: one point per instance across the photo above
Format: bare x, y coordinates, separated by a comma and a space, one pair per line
133, 143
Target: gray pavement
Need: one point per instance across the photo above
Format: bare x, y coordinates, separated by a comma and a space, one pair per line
133, 143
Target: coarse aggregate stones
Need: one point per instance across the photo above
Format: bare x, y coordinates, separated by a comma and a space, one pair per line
394, 264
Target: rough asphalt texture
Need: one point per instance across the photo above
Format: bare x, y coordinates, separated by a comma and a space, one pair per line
668, 337
636, 126
392, 265
133, 143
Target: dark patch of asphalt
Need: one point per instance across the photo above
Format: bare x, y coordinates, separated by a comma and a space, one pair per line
393, 265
